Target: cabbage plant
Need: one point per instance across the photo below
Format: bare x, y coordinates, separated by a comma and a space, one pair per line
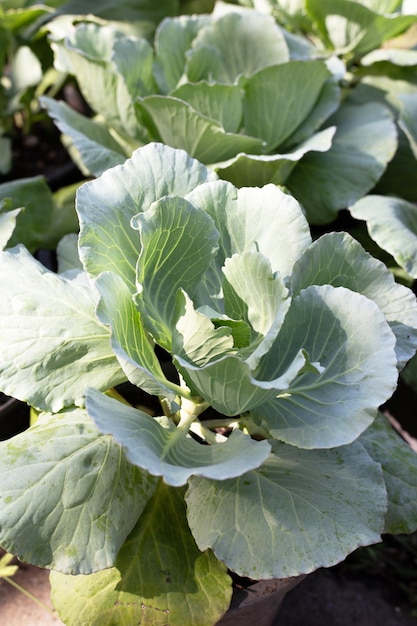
237, 91
266, 356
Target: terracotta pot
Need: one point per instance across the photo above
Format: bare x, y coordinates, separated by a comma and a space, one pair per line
259, 603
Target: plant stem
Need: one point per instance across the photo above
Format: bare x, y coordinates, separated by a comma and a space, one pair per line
190, 410
210, 437
28, 594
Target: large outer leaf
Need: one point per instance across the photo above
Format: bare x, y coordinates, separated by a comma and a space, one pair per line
97, 149
392, 223
301, 510
168, 451
51, 342
68, 496
177, 124
399, 464
337, 259
278, 99
106, 206
178, 243
333, 407
364, 143
212, 57
160, 576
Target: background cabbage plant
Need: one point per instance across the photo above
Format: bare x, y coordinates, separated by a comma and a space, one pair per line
257, 103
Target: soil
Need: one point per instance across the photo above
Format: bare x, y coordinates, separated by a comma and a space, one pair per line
16, 609
329, 597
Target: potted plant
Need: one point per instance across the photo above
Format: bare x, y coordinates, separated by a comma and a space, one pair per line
266, 354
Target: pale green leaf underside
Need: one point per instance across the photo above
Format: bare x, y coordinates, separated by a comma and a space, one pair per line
168, 451
392, 223
51, 342
159, 554
399, 465
95, 145
106, 206
364, 143
339, 260
333, 407
90, 50
69, 498
297, 512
